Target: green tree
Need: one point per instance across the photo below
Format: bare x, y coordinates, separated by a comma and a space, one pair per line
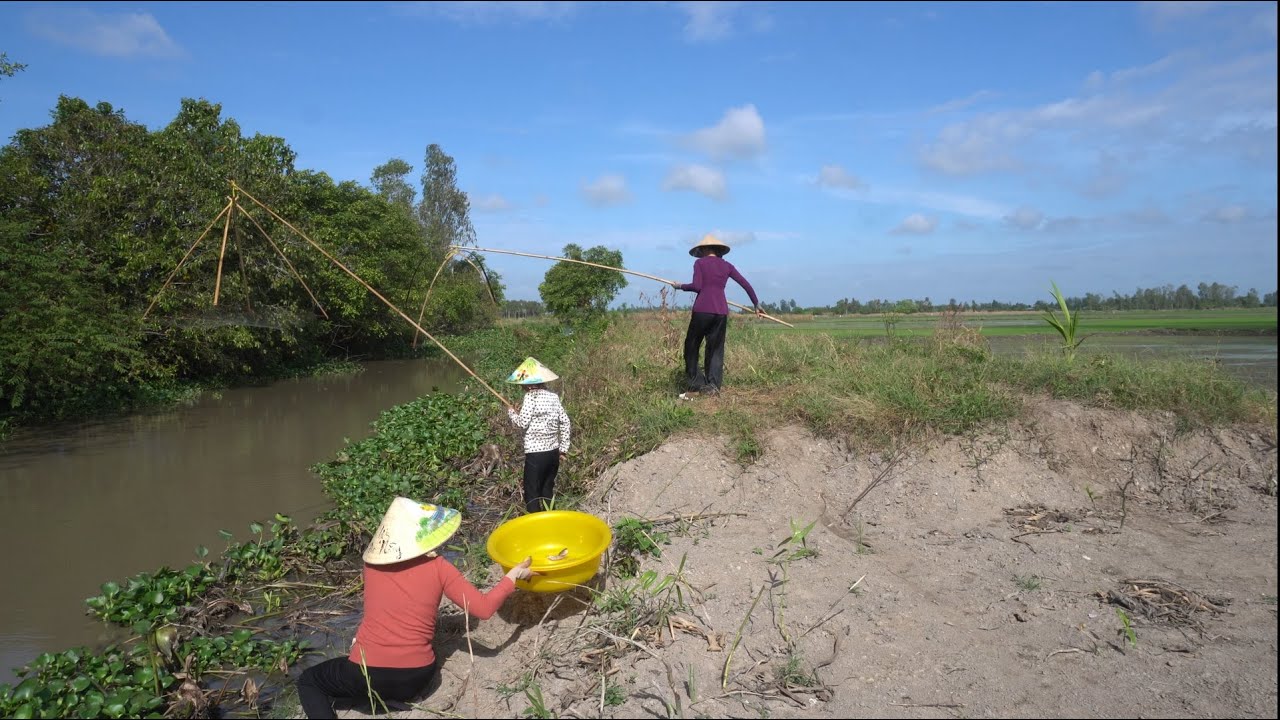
96, 212
8, 68
444, 210
389, 181
578, 293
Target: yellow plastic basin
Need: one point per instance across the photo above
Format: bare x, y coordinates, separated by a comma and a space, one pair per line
543, 535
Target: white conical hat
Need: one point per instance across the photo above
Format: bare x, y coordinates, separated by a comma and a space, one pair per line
411, 529
531, 372
710, 240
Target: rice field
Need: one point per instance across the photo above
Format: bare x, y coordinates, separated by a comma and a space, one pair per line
1235, 320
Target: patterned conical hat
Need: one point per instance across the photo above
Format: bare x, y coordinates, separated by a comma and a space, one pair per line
411, 529
710, 240
531, 372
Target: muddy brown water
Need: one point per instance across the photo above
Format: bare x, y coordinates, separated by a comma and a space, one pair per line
88, 503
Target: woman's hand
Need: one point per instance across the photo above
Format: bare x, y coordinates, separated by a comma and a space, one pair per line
522, 571
759, 312
675, 285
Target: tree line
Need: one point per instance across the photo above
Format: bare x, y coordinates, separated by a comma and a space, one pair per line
1206, 296
96, 211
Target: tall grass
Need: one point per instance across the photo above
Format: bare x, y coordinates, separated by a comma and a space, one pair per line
620, 383
1066, 326
622, 386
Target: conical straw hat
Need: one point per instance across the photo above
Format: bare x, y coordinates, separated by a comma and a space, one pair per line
710, 240
409, 530
531, 372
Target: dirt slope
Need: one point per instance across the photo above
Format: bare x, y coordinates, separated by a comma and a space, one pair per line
987, 581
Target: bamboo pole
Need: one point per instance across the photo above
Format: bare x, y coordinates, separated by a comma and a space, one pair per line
280, 252
483, 276
607, 267
217, 283
244, 279
447, 257
181, 262
376, 294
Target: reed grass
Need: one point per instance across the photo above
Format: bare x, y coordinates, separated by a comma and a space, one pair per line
622, 386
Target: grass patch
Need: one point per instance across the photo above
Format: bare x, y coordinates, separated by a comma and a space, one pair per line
1028, 582
1030, 322
1199, 393
620, 390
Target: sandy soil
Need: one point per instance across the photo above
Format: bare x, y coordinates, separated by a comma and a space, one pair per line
985, 575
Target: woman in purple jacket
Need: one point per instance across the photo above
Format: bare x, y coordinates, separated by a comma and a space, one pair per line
710, 318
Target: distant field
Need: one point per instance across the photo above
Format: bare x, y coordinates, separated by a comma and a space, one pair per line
1031, 323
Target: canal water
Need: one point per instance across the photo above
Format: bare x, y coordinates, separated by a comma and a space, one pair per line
92, 502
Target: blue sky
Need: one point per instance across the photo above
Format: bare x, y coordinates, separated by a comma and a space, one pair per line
949, 150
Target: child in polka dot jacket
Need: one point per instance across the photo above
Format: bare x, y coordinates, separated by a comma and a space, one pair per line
546, 432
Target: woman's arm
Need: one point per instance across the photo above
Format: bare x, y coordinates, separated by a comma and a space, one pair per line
465, 595
737, 277
696, 285
564, 430
524, 417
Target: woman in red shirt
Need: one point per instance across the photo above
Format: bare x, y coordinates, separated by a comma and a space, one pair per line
404, 581
710, 318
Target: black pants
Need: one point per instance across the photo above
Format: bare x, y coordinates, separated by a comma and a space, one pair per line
341, 680
712, 328
540, 470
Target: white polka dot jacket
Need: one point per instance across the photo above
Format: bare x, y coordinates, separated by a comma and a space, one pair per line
544, 421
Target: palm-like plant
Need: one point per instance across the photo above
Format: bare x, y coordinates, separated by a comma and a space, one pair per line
1066, 325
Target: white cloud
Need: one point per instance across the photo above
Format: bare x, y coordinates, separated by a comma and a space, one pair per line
837, 177
1026, 218
942, 202
491, 203
487, 12
976, 146
699, 179
1229, 214
734, 238
711, 21
1147, 108
962, 103
106, 34
1165, 12
916, 224
607, 190
739, 134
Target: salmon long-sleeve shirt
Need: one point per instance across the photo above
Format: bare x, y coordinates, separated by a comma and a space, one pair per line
400, 606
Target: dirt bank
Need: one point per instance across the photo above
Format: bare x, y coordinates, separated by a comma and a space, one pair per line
986, 574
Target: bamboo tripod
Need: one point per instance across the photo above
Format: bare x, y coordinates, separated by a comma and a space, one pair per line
453, 252
460, 248
233, 204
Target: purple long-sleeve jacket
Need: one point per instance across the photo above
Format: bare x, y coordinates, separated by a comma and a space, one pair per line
710, 275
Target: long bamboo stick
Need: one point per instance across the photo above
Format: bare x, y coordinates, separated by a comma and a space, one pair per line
280, 252
608, 267
217, 283
376, 294
183, 261
244, 279
447, 257
483, 276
